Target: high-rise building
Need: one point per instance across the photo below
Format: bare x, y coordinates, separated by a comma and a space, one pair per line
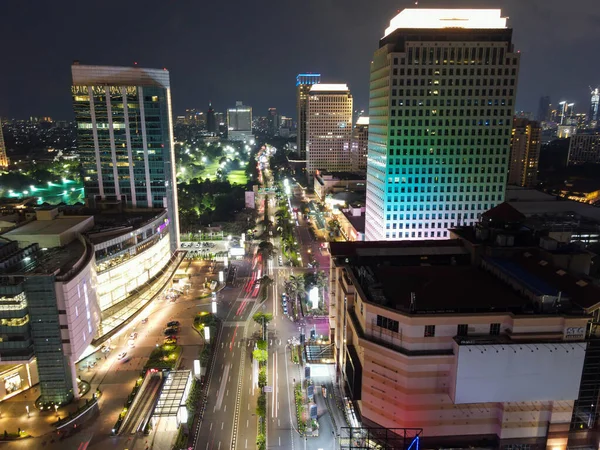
594, 103
125, 138
543, 114
524, 153
304, 82
443, 86
195, 118
359, 146
273, 121
3, 156
239, 122
211, 124
584, 148
328, 129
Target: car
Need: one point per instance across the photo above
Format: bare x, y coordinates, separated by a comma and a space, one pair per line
173, 323
121, 355
285, 310
145, 320
105, 349
170, 331
131, 343
171, 340
133, 336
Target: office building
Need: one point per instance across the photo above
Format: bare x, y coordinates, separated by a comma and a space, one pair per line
125, 138
359, 145
525, 148
239, 123
304, 82
584, 148
417, 346
273, 122
195, 118
443, 86
211, 124
594, 103
3, 156
544, 109
328, 129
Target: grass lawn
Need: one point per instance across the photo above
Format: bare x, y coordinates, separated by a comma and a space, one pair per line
234, 177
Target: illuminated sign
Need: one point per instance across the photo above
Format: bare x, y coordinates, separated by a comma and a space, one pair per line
237, 251
574, 333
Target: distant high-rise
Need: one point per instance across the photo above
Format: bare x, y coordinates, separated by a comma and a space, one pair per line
443, 86
304, 82
543, 114
273, 121
594, 103
211, 124
125, 137
328, 129
524, 153
359, 146
239, 122
3, 156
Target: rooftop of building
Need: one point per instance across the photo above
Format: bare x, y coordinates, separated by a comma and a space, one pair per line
341, 176
362, 120
443, 288
358, 222
424, 18
532, 202
329, 87
86, 75
56, 226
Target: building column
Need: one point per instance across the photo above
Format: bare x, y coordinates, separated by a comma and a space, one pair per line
73, 368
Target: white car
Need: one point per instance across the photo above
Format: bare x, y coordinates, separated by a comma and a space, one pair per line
105, 349
133, 335
121, 355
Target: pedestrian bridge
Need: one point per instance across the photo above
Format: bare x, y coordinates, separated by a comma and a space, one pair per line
319, 353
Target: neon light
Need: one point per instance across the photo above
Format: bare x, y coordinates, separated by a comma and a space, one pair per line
415, 442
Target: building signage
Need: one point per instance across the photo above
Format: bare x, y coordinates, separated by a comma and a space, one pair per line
574, 333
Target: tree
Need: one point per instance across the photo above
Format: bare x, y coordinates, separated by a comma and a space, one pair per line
296, 287
260, 355
263, 319
265, 282
322, 281
266, 250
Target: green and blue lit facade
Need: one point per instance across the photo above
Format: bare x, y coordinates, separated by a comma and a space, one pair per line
440, 111
125, 137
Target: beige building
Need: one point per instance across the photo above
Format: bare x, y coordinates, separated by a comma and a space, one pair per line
304, 82
328, 129
474, 350
359, 146
525, 148
3, 157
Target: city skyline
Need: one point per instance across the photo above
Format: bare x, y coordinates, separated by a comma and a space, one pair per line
195, 85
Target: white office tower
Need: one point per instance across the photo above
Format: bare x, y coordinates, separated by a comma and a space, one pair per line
328, 129
239, 123
442, 92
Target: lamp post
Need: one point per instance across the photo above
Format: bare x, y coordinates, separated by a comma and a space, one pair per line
56, 409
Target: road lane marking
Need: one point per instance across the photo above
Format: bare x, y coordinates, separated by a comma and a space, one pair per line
221, 391
227, 393
247, 423
222, 425
210, 429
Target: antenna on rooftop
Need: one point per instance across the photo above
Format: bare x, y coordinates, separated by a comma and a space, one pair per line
413, 301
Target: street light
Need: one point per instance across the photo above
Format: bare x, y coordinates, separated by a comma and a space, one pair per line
27, 409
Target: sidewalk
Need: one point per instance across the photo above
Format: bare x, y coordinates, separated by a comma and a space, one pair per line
13, 413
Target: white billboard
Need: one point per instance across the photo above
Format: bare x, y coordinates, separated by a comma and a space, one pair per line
236, 251
249, 197
518, 372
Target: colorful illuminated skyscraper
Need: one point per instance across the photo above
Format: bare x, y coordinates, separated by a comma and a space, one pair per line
442, 92
125, 138
304, 82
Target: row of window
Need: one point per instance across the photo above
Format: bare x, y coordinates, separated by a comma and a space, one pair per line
456, 55
389, 217
429, 330
412, 235
445, 151
454, 72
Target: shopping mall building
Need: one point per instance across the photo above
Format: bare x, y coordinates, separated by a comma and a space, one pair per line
487, 340
69, 280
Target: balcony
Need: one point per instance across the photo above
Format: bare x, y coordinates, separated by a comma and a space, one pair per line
395, 347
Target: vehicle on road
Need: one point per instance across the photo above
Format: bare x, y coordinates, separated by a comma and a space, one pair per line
121, 355
131, 343
173, 323
133, 336
171, 340
171, 331
145, 320
105, 349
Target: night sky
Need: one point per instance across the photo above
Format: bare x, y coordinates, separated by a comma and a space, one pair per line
252, 50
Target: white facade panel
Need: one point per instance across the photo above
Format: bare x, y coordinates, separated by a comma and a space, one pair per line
518, 373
